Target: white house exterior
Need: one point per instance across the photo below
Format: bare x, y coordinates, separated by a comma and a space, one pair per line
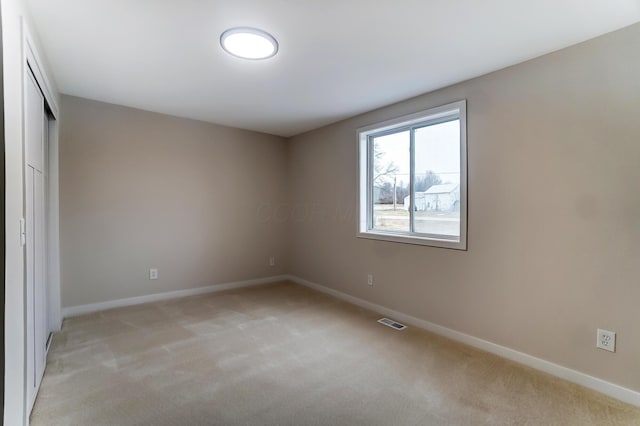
444, 197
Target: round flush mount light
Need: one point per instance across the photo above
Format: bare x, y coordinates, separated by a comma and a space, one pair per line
249, 43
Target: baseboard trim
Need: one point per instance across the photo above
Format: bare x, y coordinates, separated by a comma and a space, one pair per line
610, 389
73, 311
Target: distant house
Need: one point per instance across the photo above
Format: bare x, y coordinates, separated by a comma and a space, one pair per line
444, 197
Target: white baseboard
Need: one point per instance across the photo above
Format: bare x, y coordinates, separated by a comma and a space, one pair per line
611, 389
73, 311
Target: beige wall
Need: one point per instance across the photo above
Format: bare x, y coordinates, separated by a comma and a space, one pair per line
141, 190
554, 210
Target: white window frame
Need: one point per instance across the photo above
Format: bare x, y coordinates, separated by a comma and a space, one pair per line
454, 110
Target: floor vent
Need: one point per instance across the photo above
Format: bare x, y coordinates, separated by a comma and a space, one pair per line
392, 324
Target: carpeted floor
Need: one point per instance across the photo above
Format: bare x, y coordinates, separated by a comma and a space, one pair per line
282, 354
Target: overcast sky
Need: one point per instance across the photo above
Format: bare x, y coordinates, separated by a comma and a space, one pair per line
437, 149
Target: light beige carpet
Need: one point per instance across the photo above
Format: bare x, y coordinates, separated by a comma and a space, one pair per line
285, 355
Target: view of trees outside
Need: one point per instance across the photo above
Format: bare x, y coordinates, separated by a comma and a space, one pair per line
436, 181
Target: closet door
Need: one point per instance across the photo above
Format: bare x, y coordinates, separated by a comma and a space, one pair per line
40, 289
36, 245
30, 280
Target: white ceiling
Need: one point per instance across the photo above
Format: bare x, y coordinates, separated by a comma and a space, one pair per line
337, 58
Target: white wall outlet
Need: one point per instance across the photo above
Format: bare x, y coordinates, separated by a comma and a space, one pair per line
153, 274
272, 261
370, 279
606, 340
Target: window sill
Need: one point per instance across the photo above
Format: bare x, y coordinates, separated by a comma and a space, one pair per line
413, 239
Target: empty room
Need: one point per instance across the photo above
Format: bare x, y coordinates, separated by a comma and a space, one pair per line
321, 213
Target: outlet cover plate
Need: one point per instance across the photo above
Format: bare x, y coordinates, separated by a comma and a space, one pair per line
606, 340
153, 274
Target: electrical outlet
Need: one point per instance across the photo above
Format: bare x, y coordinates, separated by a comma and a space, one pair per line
153, 274
272, 261
370, 279
606, 340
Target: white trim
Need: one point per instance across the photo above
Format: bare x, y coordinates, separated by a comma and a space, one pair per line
34, 60
73, 311
53, 225
610, 389
415, 239
14, 343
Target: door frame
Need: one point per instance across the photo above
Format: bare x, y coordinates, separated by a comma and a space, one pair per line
3, 221
32, 61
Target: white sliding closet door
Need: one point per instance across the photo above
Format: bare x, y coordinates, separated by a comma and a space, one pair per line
41, 331
35, 195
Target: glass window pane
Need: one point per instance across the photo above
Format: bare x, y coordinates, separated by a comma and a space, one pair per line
390, 181
437, 179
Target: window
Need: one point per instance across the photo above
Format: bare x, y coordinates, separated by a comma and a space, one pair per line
413, 178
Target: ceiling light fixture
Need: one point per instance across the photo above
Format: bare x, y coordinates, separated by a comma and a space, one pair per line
249, 43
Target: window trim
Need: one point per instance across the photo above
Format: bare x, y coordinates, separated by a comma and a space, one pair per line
431, 116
